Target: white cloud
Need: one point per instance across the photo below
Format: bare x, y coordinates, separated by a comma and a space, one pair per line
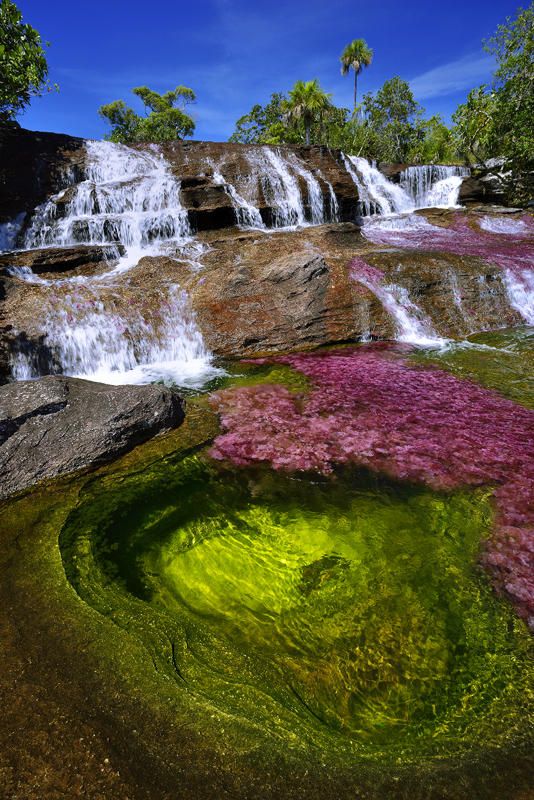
456, 76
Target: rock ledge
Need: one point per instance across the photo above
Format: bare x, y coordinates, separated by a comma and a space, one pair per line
56, 425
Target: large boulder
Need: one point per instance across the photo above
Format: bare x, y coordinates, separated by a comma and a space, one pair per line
57, 425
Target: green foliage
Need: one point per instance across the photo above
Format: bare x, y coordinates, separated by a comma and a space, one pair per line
497, 120
262, 123
307, 103
474, 121
392, 128
303, 116
394, 115
23, 67
164, 120
433, 144
356, 56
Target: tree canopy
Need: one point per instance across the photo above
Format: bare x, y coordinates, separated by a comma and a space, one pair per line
497, 120
307, 102
165, 118
23, 65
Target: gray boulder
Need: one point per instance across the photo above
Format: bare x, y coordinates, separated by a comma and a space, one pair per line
56, 425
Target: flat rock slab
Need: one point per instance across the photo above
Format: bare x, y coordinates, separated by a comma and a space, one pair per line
56, 425
61, 259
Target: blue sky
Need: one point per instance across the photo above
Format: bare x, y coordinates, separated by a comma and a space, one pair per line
235, 53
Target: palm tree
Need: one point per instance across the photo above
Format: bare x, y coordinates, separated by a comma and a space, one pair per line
356, 56
307, 102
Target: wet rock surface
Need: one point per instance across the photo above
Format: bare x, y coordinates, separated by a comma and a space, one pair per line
50, 260
269, 292
58, 425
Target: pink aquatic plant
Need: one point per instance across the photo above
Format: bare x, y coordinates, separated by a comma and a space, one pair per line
359, 270
514, 253
369, 407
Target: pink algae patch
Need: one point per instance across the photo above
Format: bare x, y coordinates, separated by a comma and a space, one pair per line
514, 253
371, 408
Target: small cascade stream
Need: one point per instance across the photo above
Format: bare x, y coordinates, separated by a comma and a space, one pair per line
419, 187
413, 326
247, 214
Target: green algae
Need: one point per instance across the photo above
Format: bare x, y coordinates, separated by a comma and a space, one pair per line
345, 614
500, 360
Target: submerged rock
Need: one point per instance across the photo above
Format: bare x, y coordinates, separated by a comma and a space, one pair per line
58, 425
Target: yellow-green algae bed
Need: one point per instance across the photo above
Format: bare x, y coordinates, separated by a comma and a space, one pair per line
249, 633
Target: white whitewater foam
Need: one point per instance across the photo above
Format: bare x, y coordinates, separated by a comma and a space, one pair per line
280, 188
412, 324
503, 225
247, 215
374, 189
315, 193
433, 185
129, 197
520, 289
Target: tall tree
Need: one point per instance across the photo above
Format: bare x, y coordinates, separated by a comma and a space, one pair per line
307, 102
165, 118
356, 56
23, 67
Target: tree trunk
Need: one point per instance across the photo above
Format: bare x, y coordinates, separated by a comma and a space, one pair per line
307, 132
355, 89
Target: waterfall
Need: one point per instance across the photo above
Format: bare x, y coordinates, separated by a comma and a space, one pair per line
520, 289
374, 189
247, 215
315, 193
420, 187
433, 186
128, 196
280, 188
96, 331
334, 205
413, 327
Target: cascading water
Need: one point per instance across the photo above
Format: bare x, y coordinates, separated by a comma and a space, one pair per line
247, 214
512, 255
128, 196
420, 187
281, 189
315, 193
413, 326
131, 198
334, 205
376, 194
433, 186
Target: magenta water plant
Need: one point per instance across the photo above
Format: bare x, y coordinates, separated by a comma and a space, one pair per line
462, 236
370, 407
